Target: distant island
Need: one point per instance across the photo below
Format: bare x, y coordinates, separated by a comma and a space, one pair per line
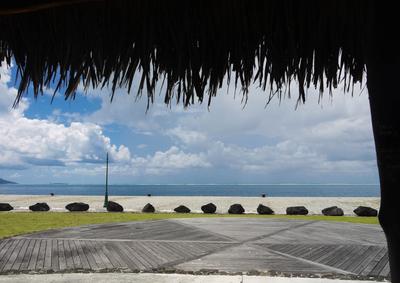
3, 182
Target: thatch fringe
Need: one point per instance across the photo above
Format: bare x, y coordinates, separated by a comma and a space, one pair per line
193, 46
28, 6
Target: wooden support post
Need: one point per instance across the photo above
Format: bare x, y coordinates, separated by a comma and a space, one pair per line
383, 65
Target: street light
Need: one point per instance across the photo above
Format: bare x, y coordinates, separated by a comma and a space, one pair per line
106, 192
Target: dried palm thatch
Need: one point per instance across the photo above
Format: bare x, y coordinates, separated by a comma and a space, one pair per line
191, 46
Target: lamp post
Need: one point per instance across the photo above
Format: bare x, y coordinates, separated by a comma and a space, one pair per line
106, 191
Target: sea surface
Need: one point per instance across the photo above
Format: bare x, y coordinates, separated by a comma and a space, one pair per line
313, 190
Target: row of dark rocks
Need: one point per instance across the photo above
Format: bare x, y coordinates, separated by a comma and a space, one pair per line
209, 208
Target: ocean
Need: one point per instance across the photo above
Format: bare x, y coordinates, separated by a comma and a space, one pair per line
280, 190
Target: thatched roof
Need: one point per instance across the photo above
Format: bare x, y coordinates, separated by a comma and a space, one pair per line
190, 45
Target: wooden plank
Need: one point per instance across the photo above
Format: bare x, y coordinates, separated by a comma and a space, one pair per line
180, 247
27, 256
47, 257
331, 254
112, 255
356, 256
290, 248
153, 258
183, 247
293, 249
136, 257
95, 255
7, 251
170, 249
314, 250
213, 247
3, 247
322, 253
103, 257
202, 248
61, 255
75, 256
55, 265
370, 255
386, 270
123, 263
188, 248
351, 265
120, 248
177, 249
374, 261
133, 255
68, 255
380, 265
20, 256
285, 248
196, 248
41, 255
298, 250
275, 247
164, 257
83, 259
33, 258
7, 245
347, 254
174, 256
89, 256
2, 243
13, 255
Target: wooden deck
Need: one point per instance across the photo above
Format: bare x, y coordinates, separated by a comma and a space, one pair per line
217, 244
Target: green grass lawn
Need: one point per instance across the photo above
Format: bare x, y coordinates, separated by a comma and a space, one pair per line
17, 223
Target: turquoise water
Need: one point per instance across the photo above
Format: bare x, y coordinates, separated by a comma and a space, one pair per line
198, 190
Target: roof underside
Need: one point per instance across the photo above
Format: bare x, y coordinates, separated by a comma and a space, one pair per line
192, 46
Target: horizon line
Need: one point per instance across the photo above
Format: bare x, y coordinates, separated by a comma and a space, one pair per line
204, 184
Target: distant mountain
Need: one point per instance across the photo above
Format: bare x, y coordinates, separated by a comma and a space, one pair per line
2, 181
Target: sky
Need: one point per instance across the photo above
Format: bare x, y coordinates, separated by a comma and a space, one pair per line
321, 142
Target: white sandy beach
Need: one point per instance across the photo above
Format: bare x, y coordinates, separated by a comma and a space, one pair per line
168, 203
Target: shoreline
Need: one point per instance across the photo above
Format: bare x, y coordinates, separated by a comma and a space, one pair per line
168, 203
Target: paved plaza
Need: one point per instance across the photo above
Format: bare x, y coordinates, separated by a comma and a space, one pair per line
204, 246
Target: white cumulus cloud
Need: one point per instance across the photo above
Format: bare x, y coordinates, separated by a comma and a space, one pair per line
25, 141
169, 161
78, 146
